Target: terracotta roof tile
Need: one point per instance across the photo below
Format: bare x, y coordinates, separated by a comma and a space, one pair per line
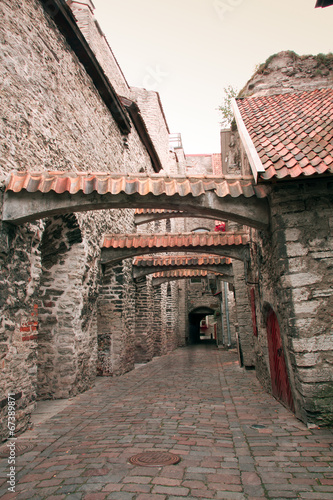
139, 240
296, 126
156, 184
182, 273
180, 260
145, 211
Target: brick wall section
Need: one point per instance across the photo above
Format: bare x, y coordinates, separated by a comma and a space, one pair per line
299, 289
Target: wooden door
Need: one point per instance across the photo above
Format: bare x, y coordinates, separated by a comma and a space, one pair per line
279, 375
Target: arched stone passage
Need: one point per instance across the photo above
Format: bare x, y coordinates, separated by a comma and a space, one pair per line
195, 317
33, 196
67, 332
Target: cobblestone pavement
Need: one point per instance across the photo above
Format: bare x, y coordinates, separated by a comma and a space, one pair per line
196, 402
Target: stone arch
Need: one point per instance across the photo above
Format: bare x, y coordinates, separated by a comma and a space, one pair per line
30, 197
67, 330
113, 256
195, 317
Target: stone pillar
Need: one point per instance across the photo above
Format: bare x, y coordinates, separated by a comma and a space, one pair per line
19, 321
181, 313
244, 316
158, 325
302, 241
67, 317
116, 321
144, 342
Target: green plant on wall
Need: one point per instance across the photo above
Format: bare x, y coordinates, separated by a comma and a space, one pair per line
225, 108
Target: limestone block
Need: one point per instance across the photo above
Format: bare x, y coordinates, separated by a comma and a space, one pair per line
307, 359
318, 374
300, 279
301, 294
306, 307
296, 249
292, 234
319, 343
297, 265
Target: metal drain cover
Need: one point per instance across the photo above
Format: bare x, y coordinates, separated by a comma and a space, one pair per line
154, 459
20, 449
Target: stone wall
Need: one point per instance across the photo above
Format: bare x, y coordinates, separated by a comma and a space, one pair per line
53, 118
116, 321
152, 112
292, 265
199, 164
144, 318
83, 11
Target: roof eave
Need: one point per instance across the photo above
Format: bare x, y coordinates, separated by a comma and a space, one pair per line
63, 17
252, 154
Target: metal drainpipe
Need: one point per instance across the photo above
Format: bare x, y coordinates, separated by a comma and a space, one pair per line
226, 305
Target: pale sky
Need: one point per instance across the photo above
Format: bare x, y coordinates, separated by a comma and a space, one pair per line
190, 50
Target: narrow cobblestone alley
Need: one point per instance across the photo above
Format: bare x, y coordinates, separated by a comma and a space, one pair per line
196, 402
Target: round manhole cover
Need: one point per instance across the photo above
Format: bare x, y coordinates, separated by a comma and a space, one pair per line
154, 458
20, 448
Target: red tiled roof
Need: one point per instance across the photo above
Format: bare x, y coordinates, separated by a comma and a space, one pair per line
103, 183
145, 211
174, 240
180, 260
181, 273
292, 133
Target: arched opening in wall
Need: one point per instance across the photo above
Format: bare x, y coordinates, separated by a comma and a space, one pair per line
62, 367
201, 327
279, 375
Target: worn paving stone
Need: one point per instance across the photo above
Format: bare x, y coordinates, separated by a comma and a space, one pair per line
196, 402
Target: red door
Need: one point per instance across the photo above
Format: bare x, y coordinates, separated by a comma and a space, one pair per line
279, 375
